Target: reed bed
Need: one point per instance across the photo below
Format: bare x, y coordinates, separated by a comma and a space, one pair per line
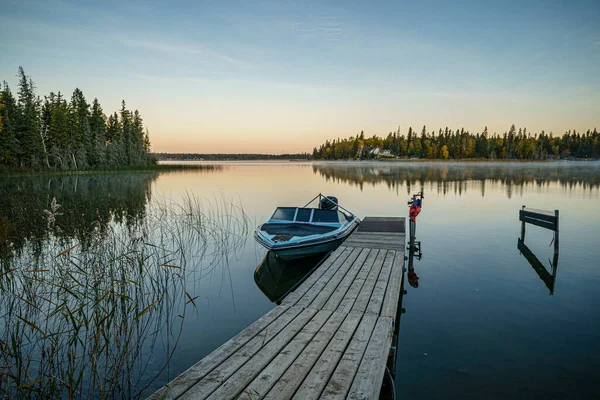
103, 321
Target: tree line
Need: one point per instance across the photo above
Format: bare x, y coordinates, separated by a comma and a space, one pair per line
54, 133
461, 144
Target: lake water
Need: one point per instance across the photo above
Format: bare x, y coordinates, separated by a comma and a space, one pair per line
481, 324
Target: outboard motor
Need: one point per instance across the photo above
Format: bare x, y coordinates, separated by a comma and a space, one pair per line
328, 203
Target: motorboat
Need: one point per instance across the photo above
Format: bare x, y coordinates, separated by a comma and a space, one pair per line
294, 232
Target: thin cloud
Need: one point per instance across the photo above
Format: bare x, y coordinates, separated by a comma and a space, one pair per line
180, 49
329, 27
285, 85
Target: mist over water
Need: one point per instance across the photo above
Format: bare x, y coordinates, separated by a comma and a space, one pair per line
481, 324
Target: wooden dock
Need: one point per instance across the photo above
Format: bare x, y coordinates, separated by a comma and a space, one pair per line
329, 338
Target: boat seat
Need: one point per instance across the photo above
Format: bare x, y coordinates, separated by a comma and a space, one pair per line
296, 229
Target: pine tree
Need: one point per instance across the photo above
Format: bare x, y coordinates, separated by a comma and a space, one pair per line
97, 123
59, 128
137, 139
8, 140
29, 125
115, 151
80, 130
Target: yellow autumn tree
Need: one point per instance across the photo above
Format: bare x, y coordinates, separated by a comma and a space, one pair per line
444, 153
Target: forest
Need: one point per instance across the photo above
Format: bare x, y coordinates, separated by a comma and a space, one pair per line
461, 144
53, 133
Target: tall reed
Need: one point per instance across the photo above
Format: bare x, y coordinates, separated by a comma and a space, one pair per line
90, 322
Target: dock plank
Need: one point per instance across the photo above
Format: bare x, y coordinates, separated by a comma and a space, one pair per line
375, 244
352, 294
315, 381
378, 294
352, 265
392, 295
374, 236
340, 292
293, 319
367, 382
364, 296
341, 380
314, 291
287, 385
274, 361
334, 261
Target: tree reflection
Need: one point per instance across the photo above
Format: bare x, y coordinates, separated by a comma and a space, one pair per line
458, 177
87, 203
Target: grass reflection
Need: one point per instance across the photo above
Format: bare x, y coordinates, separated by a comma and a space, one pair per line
88, 320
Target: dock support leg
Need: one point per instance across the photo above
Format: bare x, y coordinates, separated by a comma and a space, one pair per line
556, 233
522, 228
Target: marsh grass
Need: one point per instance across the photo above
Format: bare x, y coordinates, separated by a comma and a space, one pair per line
28, 171
103, 321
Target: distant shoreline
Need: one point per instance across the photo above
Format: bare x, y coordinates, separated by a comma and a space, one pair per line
387, 160
181, 165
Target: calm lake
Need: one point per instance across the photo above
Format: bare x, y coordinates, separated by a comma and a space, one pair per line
482, 322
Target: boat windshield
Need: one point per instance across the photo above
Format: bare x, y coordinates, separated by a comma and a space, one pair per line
284, 213
307, 215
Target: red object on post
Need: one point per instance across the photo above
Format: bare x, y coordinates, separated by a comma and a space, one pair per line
413, 212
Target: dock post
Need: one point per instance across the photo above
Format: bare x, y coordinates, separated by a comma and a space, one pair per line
556, 232
522, 227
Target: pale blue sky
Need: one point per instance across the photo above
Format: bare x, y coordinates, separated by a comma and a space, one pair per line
281, 76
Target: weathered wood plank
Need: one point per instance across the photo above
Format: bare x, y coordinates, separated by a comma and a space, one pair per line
341, 380
293, 318
287, 385
362, 300
315, 289
540, 223
392, 295
250, 381
538, 214
319, 375
352, 294
367, 382
300, 291
395, 244
376, 300
376, 246
191, 376
356, 258
338, 295
392, 219
366, 242
539, 211
376, 236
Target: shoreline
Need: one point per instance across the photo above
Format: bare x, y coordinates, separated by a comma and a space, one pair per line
177, 165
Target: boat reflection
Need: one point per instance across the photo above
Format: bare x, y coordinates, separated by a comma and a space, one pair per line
275, 276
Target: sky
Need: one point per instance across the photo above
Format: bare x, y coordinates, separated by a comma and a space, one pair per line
283, 76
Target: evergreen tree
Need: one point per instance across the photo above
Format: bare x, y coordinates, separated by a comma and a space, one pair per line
97, 123
8, 141
57, 134
29, 134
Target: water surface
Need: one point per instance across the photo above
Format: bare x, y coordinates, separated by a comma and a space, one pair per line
481, 324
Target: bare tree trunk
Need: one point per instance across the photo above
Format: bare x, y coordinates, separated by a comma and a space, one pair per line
74, 161
43, 134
